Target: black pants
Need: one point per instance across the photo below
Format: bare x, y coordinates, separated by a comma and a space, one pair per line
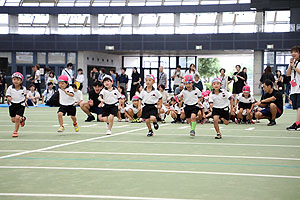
38, 88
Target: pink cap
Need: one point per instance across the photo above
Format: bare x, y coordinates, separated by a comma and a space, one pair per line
17, 75
246, 88
188, 79
123, 96
150, 76
63, 78
217, 80
203, 94
207, 92
135, 98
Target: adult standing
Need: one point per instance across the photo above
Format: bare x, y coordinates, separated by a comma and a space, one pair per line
114, 78
36, 78
279, 84
94, 74
123, 81
226, 80
239, 78
266, 75
244, 70
162, 77
177, 77
101, 75
135, 81
68, 72
192, 71
294, 71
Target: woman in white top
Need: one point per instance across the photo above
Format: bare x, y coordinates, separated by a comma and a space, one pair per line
80, 78
192, 71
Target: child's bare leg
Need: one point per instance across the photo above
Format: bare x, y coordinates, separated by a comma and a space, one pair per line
148, 124
226, 122
216, 123
119, 115
249, 117
153, 119
129, 114
13, 119
74, 119
240, 113
110, 121
60, 119
17, 123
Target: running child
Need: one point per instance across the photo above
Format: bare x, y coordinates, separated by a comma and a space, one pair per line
132, 111
245, 101
16, 98
67, 103
150, 97
220, 100
109, 98
191, 97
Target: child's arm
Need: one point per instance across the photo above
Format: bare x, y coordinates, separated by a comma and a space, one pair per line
101, 100
231, 106
68, 93
159, 103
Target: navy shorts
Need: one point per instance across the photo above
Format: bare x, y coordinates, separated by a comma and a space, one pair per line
267, 112
295, 100
16, 109
190, 109
96, 109
70, 110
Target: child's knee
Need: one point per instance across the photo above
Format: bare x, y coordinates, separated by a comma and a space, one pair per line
60, 114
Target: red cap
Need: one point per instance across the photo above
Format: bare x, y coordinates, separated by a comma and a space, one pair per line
150, 76
17, 75
188, 79
63, 78
246, 88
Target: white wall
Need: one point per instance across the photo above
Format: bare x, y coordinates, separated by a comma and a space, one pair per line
98, 59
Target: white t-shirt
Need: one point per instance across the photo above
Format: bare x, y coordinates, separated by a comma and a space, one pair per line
151, 97
48, 94
37, 73
243, 99
190, 97
65, 99
178, 80
33, 94
18, 96
176, 108
78, 96
69, 73
134, 109
165, 96
52, 80
220, 100
206, 106
110, 97
296, 89
80, 78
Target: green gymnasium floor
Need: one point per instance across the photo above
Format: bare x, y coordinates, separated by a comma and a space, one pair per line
250, 162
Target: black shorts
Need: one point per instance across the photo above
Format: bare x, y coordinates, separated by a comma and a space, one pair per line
295, 101
189, 110
149, 110
221, 112
245, 105
109, 110
16, 109
70, 110
123, 116
96, 110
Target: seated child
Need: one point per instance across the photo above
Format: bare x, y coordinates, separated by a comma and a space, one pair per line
245, 102
132, 111
48, 93
77, 95
33, 96
121, 111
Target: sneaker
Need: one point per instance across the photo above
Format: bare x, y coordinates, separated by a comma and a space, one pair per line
293, 127
15, 134
272, 122
239, 121
132, 121
219, 136
192, 133
90, 118
119, 120
61, 129
163, 121
138, 120
108, 132
126, 120
22, 122
76, 127
174, 121
156, 126
249, 122
150, 133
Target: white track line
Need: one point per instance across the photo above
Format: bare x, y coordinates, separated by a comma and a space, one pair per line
69, 143
172, 155
91, 125
152, 171
183, 127
83, 196
250, 129
201, 143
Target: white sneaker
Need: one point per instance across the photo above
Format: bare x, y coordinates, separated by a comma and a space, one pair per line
108, 132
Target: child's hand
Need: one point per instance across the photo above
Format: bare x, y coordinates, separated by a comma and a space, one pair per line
100, 105
232, 113
26, 104
91, 102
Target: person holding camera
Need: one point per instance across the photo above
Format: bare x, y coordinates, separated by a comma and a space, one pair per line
177, 77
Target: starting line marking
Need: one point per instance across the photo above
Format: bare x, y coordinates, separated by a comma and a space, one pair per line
84, 196
153, 171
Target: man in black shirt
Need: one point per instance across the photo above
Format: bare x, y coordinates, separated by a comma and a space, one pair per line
123, 81
272, 102
91, 106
